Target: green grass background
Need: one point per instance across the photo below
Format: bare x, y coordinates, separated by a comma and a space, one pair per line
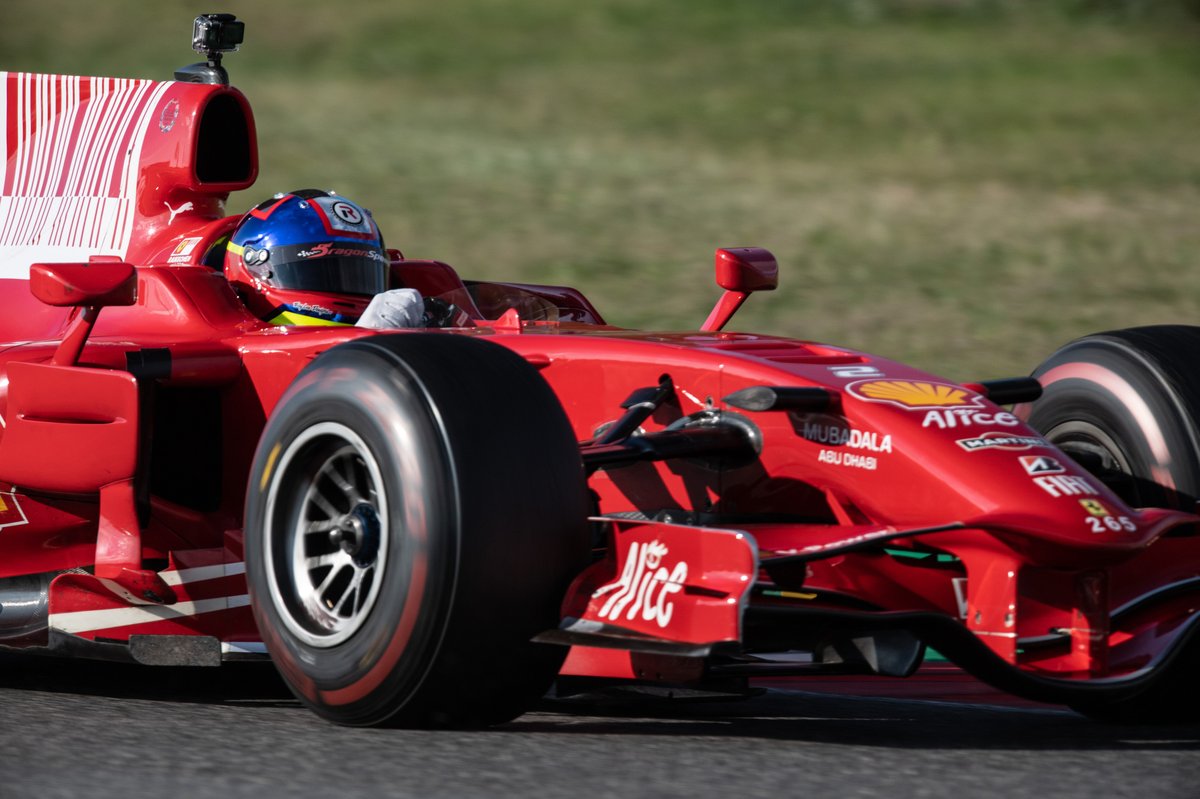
964, 185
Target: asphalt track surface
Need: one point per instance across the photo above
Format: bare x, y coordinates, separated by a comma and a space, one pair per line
85, 729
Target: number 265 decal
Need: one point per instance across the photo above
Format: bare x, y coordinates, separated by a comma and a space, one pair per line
1103, 524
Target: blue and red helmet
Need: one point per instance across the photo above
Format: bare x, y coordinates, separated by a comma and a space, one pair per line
307, 257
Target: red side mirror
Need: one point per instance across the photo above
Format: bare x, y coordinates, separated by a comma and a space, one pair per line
93, 284
740, 271
746, 269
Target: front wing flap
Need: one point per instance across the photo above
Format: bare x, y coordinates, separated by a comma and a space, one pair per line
662, 588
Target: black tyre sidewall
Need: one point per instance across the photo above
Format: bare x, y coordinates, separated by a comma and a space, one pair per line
523, 523
324, 678
504, 530
1152, 363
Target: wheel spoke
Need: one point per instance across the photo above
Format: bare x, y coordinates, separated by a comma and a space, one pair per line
337, 534
332, 471
317, 498
351, 591
324, 586
335, 559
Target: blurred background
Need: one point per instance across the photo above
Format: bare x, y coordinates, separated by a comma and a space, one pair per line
960, 184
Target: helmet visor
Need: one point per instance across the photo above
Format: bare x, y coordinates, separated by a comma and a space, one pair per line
336, 267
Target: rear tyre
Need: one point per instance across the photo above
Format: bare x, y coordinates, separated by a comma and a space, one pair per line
1126, 406
415, 514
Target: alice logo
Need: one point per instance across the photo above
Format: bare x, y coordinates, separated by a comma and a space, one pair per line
645, 586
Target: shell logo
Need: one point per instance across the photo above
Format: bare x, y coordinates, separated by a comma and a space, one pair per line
915, 394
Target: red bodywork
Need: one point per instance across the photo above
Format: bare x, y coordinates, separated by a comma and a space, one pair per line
880, 504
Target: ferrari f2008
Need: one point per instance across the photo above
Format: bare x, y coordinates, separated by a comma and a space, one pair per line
431, 518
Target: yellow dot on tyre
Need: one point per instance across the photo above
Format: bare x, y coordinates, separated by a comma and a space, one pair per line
266, 475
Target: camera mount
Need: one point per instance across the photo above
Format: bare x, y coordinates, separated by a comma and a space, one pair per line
213, 35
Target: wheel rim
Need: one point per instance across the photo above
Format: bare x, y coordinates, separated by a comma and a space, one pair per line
1096, 451
327, 534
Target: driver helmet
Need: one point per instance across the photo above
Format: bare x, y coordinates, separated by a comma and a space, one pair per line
307, 257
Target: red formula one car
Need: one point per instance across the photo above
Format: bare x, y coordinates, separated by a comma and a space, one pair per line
431, 525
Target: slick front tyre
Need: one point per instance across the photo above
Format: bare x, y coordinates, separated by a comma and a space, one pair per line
1125, 405
415, 513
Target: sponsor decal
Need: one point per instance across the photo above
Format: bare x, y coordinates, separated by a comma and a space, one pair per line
1111, 524
952, 418
307, 307
996, 440
849, 459
839, 434
1099, 520
345, 217
170, 112
11, 514
1065, 485
915, 394
645, 586
327, 248
183, 250
855, 371
186, 246
74, 151
187, 206
347, 213
1041, 464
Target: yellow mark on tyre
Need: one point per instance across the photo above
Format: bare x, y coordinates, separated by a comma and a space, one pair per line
266, 475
